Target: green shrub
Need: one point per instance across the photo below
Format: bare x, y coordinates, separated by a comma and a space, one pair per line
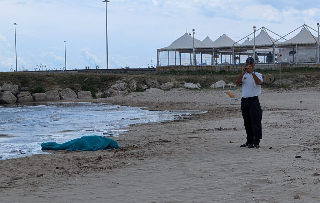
38, 89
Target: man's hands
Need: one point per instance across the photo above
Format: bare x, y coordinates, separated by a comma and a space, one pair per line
247, 69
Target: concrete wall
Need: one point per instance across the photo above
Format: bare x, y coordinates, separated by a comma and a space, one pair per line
236, 67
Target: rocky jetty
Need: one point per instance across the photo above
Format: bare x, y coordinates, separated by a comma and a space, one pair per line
12, 93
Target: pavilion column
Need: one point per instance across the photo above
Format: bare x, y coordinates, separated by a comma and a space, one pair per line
158, 53
297, 54
180, 57
201, 58
212, 57
273, 54
190, 59
220, 58
168, 58
233, 57
175, 57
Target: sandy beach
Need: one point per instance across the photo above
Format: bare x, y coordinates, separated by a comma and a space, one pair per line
195, 159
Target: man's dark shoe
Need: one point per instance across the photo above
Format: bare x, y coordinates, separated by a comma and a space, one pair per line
254, 146
245, 145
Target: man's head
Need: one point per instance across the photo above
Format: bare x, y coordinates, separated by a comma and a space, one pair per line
249, 68
250, 61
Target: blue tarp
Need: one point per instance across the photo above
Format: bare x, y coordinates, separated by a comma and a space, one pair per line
85, 143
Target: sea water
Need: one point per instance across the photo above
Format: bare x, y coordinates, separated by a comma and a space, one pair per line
24, 128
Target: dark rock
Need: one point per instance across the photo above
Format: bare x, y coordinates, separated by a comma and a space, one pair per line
121, 86
99, 94
7, 97
111, 93
53, 95
68, 94
24, 97
37, 97
152, 83
132, 85
14, 89
167, 86
84, 95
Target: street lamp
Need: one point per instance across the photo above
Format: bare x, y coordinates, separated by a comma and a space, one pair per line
318, 44
254, 43
107, 31
15, 44
65, 55
193, 49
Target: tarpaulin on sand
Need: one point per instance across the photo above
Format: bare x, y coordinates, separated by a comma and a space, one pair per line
85, 143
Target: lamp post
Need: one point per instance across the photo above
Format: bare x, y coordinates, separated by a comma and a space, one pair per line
65, 55
15, 44
318, 44
107, 31
254, 43
193, 49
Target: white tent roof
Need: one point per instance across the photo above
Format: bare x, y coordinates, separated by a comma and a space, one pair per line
185, 42
207, 42
303, 37
223, 41
261, 39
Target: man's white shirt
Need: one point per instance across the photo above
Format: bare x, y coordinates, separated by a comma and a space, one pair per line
249, 86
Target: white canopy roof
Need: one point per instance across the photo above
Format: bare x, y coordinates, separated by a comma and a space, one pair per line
185, 42
223, 41
303, 37
262, 39
207, 42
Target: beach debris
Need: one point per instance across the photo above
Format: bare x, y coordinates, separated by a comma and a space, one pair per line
192, 85
270, 147
316, 174
298, 157
218, 84
268, 78
296, 197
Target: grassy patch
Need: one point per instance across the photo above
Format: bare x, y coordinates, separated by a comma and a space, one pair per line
38, 89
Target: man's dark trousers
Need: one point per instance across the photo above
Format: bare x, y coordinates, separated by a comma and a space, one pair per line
252, 116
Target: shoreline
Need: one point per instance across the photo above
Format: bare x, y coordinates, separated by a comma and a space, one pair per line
190, 160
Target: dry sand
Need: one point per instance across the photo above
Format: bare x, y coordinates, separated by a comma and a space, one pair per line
196, 159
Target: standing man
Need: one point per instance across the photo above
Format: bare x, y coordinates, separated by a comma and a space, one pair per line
250, 105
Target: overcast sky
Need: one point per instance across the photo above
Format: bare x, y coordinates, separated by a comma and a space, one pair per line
136, 28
